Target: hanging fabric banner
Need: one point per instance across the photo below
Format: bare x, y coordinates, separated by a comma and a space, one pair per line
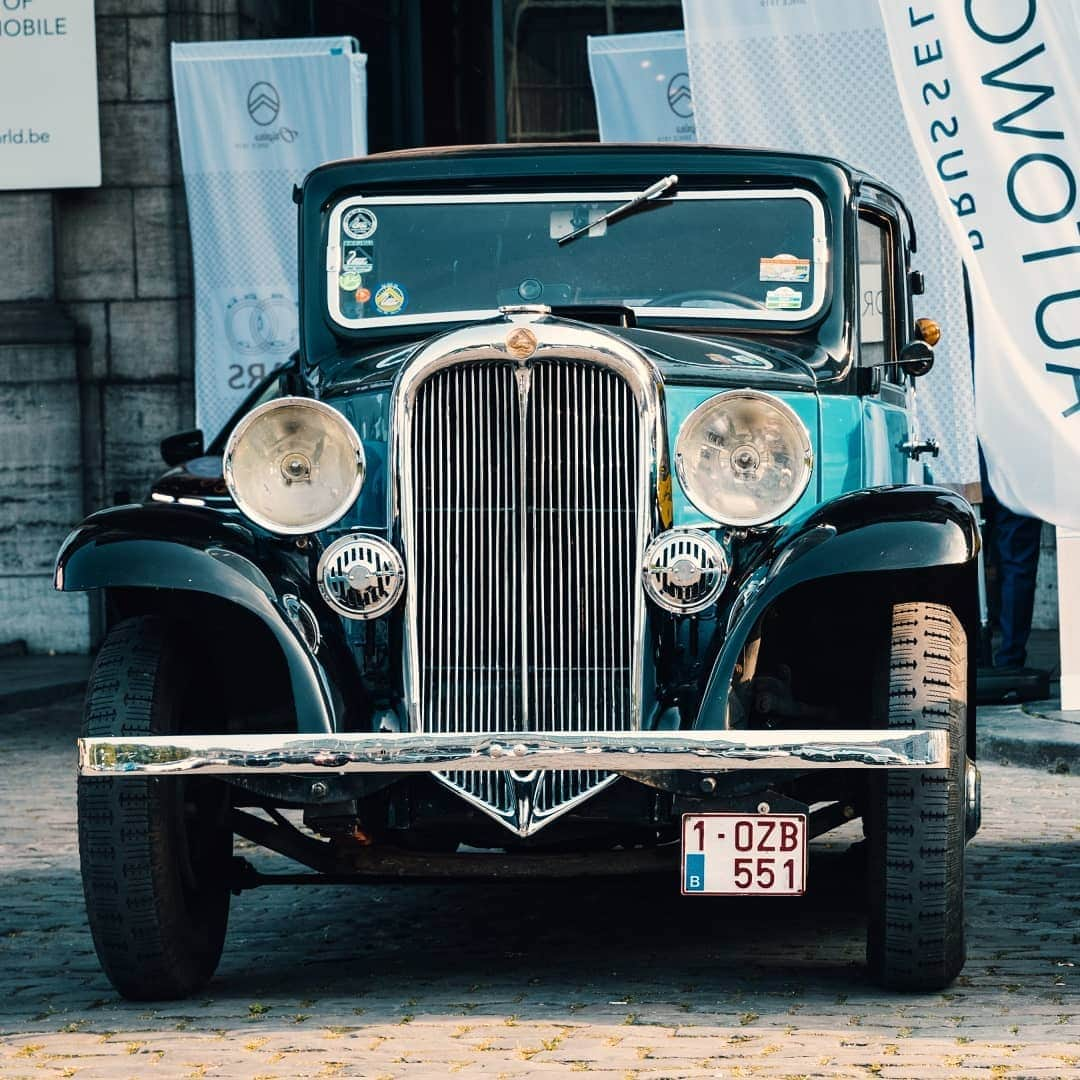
254, 117
992, 101
642, 87
816, 77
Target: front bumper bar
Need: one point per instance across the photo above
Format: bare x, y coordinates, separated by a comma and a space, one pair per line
627, 751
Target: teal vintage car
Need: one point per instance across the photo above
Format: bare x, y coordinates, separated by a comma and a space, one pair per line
579, 537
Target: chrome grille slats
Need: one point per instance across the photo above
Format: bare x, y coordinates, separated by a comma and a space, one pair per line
526, 522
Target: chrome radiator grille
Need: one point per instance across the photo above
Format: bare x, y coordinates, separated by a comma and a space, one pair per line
525, 553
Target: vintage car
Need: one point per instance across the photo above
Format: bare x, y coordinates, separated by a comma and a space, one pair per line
577, 538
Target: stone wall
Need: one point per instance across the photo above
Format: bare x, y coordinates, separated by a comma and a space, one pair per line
95, 320
41, 477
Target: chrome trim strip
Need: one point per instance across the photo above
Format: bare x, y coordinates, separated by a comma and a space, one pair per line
636, 751
820, 253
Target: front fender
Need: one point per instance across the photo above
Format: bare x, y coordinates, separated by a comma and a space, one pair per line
200, 550
878, 530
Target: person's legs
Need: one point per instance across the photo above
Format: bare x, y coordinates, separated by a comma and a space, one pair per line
1017, 543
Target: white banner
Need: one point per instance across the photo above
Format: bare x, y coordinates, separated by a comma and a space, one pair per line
992, 98
254, 117
642, 87
48, 95
816, 77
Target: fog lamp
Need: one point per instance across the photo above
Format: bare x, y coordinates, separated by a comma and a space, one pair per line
684, 570
361, 576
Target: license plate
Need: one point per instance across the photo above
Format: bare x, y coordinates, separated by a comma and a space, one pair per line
744, 854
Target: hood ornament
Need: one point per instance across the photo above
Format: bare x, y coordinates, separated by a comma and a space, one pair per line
521, 343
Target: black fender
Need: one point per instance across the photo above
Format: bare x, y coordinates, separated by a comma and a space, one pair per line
202, 550
874, 531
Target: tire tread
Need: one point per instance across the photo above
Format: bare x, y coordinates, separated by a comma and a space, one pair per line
141, 929
916, 932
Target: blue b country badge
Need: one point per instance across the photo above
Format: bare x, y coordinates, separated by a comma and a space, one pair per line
695, 872
390, 298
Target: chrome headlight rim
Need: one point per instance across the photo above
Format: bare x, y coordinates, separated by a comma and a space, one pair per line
347, 430
806, 447
393, 593
713, 549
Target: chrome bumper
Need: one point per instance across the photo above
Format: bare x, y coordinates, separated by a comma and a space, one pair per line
630, 751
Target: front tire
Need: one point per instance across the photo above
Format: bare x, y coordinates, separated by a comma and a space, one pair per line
917, 824
155, 853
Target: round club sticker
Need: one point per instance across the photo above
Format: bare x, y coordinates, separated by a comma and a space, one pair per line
390, 298
350, 280
359, 223
363, 295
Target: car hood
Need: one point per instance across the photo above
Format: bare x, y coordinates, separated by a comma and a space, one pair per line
693, 359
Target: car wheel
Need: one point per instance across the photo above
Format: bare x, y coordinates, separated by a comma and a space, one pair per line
916, 830
155, 853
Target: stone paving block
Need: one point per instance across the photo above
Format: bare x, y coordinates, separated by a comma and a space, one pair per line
95, 256
26, 240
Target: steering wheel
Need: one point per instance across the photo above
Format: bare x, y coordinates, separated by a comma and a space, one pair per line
676, 299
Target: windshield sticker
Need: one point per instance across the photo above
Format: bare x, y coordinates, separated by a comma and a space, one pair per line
363, 295
359, 223
390, 298
350, 281
563, 222
358, 259
785, 268
783, 299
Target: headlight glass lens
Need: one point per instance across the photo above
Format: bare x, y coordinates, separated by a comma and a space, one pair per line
294, 465
744, 458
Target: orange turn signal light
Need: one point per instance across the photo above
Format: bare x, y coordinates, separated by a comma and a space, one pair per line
928, 331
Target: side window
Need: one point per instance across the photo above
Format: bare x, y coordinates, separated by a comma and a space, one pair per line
877, 303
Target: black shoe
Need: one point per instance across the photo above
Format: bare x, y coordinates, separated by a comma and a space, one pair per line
1011, 685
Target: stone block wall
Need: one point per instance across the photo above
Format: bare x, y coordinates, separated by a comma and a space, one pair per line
41, 478
95, 320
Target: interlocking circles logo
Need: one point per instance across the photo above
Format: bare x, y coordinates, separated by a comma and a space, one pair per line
678, 96
264, 103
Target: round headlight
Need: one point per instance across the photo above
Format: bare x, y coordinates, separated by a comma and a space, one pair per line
294, 465
744, 458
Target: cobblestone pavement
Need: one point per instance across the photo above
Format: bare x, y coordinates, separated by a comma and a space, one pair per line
508, 980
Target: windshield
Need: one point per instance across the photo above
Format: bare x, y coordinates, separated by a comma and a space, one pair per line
741, 256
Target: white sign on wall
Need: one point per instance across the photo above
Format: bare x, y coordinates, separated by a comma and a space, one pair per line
48, 95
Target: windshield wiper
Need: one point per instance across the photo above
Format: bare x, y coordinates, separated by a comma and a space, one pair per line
648, 195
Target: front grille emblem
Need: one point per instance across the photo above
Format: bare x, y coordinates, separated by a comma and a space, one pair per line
521, 343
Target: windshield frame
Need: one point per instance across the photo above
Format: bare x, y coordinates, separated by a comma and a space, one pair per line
709, 315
